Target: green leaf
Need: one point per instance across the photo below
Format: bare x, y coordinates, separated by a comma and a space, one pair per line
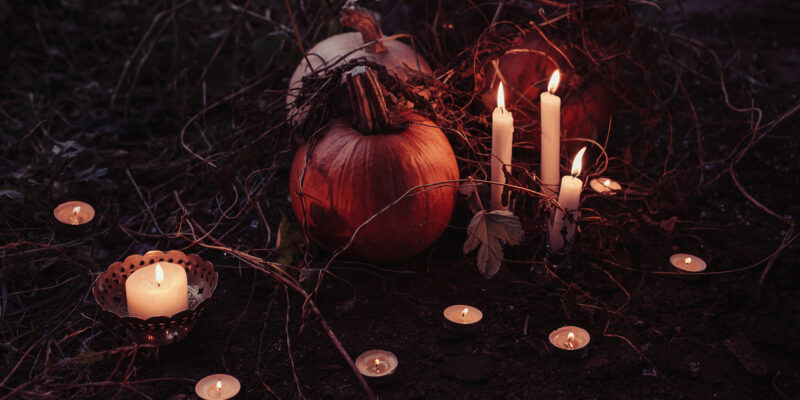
489, 230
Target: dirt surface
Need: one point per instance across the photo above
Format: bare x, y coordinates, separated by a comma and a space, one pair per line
167, 117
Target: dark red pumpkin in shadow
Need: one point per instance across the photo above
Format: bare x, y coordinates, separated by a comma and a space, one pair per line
587, 102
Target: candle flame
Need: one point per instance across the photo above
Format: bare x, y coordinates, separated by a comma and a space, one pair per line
159, 274
501, 97
377, 365
570, 338
464, 313
607, 182
76, 210
688, 260
552, 86
219, 385
576, 163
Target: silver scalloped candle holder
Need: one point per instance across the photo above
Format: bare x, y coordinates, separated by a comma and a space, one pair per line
109, 292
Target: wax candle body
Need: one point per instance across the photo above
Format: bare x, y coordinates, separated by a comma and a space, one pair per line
149, 298
550, 120
569, 197
502, 138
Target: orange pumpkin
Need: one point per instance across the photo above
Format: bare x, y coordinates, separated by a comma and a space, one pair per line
356, 170
587, 103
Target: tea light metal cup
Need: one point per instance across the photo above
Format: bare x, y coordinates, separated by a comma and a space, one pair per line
377, 366
570, 342
462, 319
73, 218
217, 387
605, 186
687, 262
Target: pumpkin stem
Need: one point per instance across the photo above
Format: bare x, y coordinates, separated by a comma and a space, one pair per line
366, 97
362, 21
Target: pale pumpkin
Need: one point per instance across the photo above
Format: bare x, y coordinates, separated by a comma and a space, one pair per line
354, 172
398, 58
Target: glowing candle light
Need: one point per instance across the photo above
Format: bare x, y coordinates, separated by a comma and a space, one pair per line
74, 213
605, 186
687, 262
571, 341
462, 319
217, 387
377, 366
157, 290
570, 338
569, 198
502, 138
550, 122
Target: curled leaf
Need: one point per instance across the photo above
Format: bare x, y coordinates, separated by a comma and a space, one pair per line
489, 231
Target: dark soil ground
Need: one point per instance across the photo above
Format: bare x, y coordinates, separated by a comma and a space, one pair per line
97, 100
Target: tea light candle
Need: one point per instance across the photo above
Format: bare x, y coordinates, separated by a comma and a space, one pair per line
217, 386
571, 341
502, 138
462, 319
550, 122
74, 213
377, 366
159, 289
605, 186
687, 262
569, 198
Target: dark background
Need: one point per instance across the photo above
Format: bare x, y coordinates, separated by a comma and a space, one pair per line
99, 101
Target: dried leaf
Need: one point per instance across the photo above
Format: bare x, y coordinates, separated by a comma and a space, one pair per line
490, 230
11, 194
470, 189
288, 242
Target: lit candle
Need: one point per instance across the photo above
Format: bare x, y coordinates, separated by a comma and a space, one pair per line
377, 366
569, 197
570, 340
605, 186
550, 123
687, 262
502, 137
217, 387
462, 319
74, 213
157, 290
